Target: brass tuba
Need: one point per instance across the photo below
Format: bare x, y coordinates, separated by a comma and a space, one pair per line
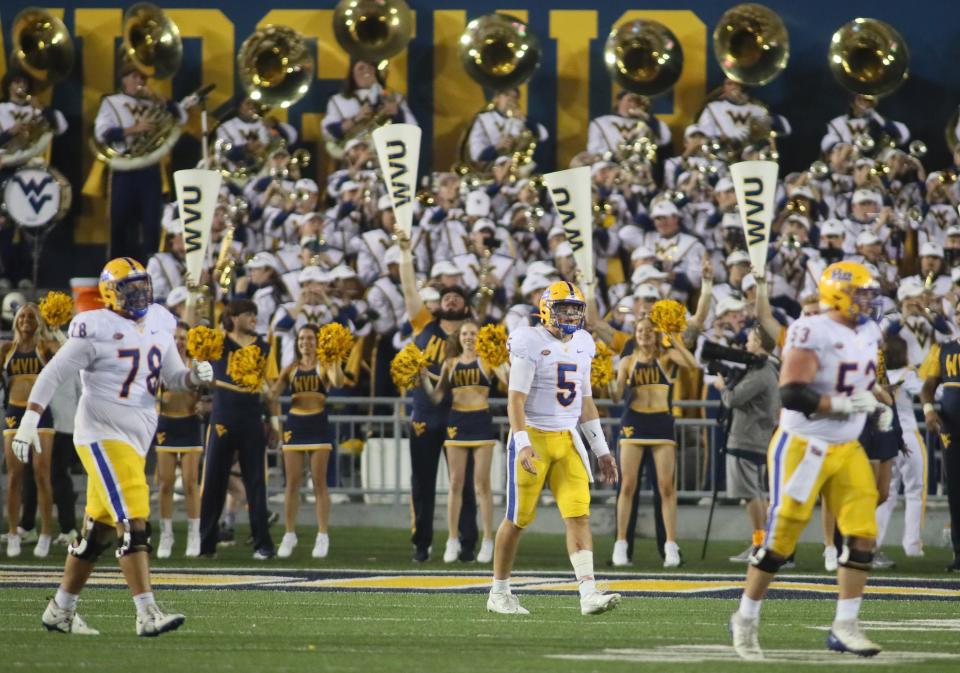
373, 31
498, 51
868, 57
43, 52
276, 66
152, 44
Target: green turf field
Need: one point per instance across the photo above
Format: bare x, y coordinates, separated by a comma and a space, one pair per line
305, 621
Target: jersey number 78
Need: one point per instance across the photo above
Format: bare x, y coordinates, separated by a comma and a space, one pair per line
154, 362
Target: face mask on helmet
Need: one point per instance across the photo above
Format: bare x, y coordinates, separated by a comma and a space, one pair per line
135, 296
567, 316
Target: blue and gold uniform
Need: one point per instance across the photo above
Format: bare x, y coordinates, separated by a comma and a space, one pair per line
19, 366
178, 426
307, 427
469, 427
648, 425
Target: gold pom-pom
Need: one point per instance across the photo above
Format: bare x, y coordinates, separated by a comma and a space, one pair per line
405, 367
334, 343
204, 343
669, 317
601, 367
492, 345
246, 367
56, 309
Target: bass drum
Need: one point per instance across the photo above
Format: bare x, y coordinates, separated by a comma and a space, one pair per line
36, 196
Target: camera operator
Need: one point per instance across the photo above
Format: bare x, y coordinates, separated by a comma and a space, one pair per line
754, 405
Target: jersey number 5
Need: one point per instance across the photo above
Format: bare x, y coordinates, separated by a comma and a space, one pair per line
154, 360
566, 398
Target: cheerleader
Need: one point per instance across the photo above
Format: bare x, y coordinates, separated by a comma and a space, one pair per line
179, 439
307, 431
648, 423
469, 428
23, 358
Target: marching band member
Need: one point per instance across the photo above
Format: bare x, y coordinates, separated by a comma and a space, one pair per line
168, 269
863, 119
731, 116
312, 307
631, 117
470, 430
23, 360
307, 432
372, 245
648, 423
264, 286
21, 109
499, 131
136, 199
179, 438
124, 352
679, 252
386, 296
828, 371
249, 134
364, 98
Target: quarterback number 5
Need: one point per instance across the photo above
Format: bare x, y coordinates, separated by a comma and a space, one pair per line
567, 390
154, 361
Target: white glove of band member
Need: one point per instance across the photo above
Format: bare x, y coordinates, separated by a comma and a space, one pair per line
27, 436
201, 372
862, 401
885, 419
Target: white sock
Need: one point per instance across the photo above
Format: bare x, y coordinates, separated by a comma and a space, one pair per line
848, 608
322, 536
193, 526
66, 601
620, 544
144, 601
582, 562
500, 586
166, 526
749, 608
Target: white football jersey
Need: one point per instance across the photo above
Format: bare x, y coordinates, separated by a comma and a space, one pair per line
847, 363
562, 376
907, 385
125, 362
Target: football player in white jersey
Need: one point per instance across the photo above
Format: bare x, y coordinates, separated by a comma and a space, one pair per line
549, 394
123, 352
826, 387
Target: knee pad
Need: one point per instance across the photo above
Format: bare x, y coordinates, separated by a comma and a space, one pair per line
134, 540
93, 540
763, 559
855, 558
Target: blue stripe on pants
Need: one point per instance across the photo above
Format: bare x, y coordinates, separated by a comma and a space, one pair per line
511, 480
112, 489
775, 502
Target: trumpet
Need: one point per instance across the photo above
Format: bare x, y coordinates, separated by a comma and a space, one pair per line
223, 269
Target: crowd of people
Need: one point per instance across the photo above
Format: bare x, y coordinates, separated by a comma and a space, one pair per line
289, 254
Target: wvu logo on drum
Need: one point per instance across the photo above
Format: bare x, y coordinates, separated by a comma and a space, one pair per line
34, 191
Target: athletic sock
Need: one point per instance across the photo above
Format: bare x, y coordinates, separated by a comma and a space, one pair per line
229, 519
143, 601
848, 608
166, 526
582, 562
193, 526
758, 537
500, 586
749, 608
66, 601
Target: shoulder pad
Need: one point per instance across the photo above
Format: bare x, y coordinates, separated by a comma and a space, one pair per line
524, 343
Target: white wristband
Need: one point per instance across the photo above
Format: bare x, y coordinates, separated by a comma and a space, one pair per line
928, 409
521, 440
593, 431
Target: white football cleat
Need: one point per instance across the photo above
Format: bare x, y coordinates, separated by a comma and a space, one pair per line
485, 555
165, 547
746, 642
153, 621
505, 604
846, 636
620, 554
597, 602
61, 620
452, 551
13, 545
43, 546
671, 555
321, 547
830, 559
193, 545
287, 544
